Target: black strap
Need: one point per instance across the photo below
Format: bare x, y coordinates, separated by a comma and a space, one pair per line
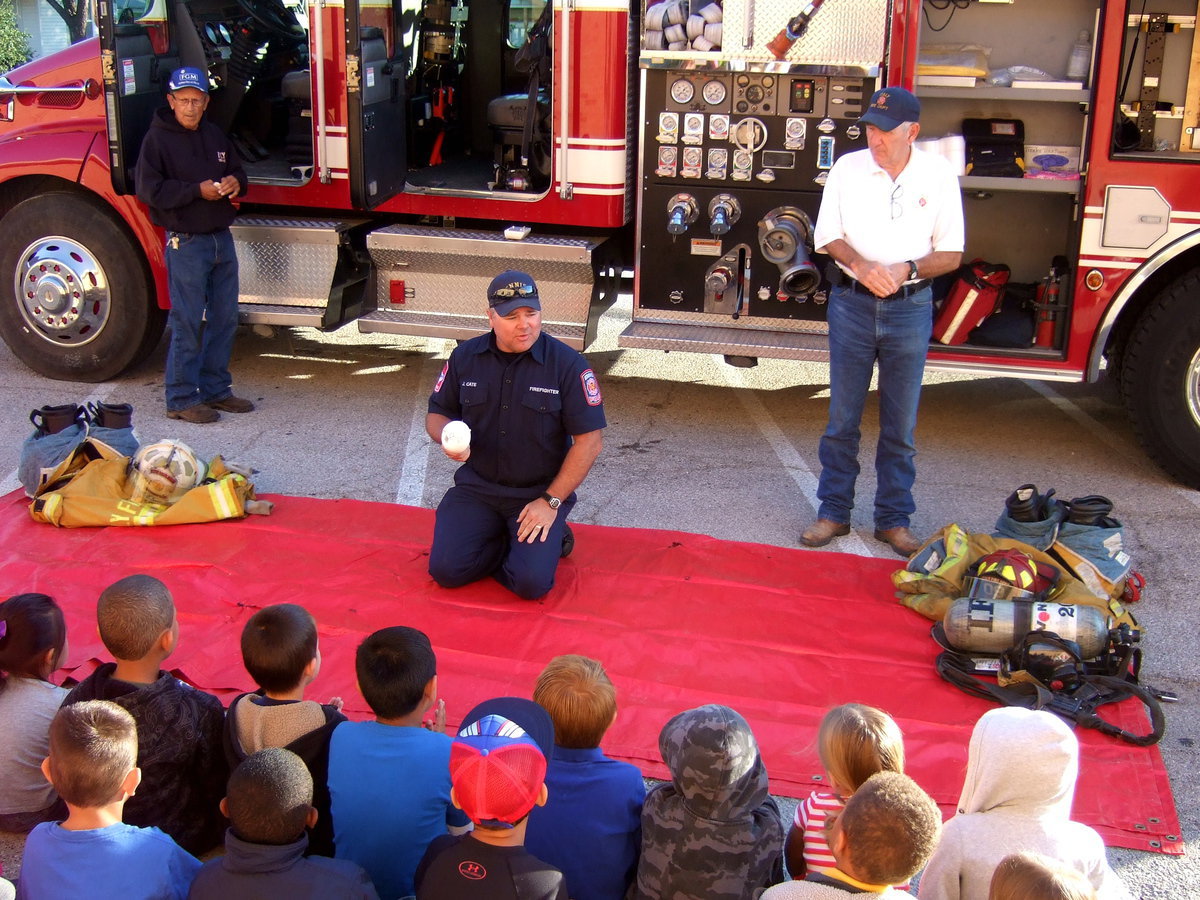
1078, 706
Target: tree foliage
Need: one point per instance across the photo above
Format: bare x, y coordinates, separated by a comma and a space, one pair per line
14, 44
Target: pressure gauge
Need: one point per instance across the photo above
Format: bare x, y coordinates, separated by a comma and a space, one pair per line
714, 92
682, 91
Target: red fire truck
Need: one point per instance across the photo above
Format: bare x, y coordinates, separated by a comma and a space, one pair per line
400, 152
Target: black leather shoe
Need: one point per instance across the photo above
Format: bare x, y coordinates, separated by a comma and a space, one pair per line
568, 543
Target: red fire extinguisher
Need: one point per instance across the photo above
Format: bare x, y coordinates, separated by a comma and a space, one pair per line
1047, 303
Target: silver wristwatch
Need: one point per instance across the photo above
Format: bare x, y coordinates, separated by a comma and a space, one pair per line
554, 502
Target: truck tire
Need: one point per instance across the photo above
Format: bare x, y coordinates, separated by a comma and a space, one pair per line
76, 301
1160, 379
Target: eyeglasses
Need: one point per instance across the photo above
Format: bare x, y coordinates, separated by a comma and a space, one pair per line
897, 206
188, 101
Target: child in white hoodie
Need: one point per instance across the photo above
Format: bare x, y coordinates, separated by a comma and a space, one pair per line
1021, 771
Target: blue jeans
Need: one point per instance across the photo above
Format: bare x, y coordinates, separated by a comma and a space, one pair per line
475, 535
863, 331
203, 275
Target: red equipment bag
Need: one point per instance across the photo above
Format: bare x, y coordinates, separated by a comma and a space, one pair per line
975, 296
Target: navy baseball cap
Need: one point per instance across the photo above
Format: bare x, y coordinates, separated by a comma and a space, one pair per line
511, 290
890, 108
188, 77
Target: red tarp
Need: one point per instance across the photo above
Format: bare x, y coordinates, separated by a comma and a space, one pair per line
677, 619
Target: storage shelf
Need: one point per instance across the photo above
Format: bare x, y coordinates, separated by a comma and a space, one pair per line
1044, 95
1023, 185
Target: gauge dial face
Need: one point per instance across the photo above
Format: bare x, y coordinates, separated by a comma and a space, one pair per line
682, 91
714, 92
667, 155
692, 156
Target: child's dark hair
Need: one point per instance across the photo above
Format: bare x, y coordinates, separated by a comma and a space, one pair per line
269, 797
30, 624
93, 746
277, 644
580, 698
132, 614
393, 666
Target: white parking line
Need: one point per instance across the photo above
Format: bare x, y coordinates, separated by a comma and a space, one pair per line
1097, 430
793, 463
411, 488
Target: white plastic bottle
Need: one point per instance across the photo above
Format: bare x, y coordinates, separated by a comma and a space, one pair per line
1081, 58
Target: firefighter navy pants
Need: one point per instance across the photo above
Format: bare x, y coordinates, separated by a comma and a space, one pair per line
475, 535
863, 331
203, 275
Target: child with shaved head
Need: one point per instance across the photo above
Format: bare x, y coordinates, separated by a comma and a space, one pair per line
269, 805
179, 727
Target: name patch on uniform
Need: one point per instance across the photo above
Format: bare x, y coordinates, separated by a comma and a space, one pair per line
591, 387
542, 390
442, 378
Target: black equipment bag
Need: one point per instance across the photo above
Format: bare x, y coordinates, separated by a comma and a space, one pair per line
995, 147
1013, 324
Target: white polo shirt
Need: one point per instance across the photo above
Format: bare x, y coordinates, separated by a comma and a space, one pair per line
891, 221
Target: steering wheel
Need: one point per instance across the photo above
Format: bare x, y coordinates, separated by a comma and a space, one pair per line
276, 18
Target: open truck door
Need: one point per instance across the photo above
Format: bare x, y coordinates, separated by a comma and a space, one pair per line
376, 106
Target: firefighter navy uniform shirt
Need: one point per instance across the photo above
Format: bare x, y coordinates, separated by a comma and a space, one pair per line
522, 409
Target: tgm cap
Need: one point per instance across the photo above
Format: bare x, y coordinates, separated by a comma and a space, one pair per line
188, 77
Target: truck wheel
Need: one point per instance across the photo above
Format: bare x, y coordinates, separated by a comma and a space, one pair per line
81, 306
1160, 379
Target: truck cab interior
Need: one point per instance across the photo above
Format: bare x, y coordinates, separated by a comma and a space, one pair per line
456, 92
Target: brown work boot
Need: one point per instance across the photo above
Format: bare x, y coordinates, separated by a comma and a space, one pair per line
822, 531
232, 404
200, 414
899, 539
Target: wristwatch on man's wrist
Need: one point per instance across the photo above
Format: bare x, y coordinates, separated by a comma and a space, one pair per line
912, 270
554, 502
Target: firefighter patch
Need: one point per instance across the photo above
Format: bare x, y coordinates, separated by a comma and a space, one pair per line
591, 388
442, 378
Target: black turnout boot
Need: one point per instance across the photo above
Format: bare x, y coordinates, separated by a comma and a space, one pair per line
53, 419
111, 415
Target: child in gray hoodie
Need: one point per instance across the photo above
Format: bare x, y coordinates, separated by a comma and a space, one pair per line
1021, 770
713, 832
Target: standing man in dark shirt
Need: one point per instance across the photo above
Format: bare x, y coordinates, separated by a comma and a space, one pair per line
536, 415
187, 173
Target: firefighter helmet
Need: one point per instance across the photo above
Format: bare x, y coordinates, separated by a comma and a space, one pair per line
1010, 566
163, 472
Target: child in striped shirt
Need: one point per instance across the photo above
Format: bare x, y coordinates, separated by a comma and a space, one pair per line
854, 742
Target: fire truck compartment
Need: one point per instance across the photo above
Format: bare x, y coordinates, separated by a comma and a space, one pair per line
433, 282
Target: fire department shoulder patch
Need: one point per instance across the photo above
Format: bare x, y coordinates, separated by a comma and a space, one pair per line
442, 378
591, 387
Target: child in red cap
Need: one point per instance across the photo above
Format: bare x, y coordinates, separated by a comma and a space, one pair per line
497, 774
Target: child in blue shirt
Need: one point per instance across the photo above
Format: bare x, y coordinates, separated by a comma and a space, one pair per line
389, 779
590, 828
92, 853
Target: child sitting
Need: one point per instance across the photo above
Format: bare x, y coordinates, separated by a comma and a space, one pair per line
93, 854
854, 742
1022, 876
279, 650
1020, 781
33, 643
712, 832
269, 804
881, 838
179, 726
590, 828
389, 780
497, 768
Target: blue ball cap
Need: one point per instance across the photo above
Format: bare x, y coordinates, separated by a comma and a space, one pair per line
188, 77
511, 290
891, 107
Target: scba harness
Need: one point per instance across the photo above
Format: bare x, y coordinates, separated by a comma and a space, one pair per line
1045, 671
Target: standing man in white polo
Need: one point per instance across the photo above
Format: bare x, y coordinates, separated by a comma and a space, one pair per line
891, 220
